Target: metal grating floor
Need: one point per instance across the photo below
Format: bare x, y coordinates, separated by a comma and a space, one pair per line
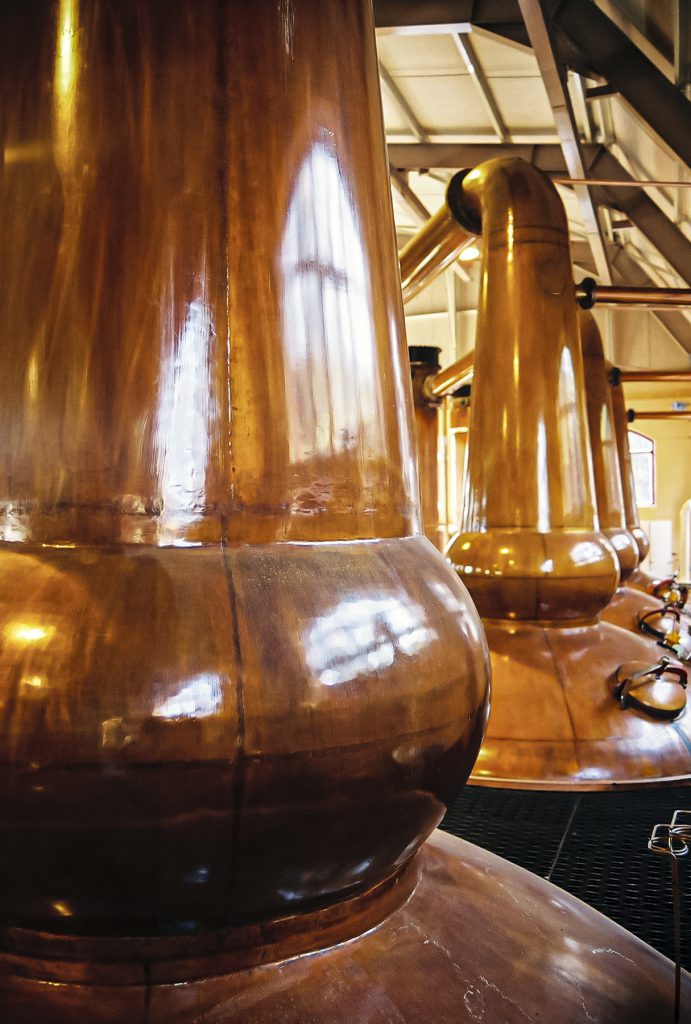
594, 845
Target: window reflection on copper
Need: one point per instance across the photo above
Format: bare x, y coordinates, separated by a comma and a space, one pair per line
25, 633
326, 310
182, 439
362, 635
576, 472
542, 479
586, 553
199, 697
65, 78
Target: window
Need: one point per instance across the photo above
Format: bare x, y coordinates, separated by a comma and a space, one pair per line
642, 450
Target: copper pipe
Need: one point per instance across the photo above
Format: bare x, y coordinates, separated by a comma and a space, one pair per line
661, 414
603, 446
435, 246
629, 183
450, 378
660, 376
589, 292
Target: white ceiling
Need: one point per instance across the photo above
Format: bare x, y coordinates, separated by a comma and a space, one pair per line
439, 100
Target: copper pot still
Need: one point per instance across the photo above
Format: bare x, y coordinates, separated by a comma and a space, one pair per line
228, 655
537, 559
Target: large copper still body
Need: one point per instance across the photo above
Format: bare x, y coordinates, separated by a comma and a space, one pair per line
530, 549
238, 686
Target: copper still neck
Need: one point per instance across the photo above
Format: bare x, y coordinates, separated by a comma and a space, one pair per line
633, 522
529, 547
424, 362
603, 447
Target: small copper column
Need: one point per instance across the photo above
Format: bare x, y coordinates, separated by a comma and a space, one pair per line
603, 447
633, 522
424, 361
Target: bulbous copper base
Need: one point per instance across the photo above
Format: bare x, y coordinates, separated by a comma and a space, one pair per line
554, 723
478, 939
196, 737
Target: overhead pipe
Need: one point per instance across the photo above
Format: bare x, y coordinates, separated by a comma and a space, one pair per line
530, 549
435, 246
659, 414
589, 293
651, 376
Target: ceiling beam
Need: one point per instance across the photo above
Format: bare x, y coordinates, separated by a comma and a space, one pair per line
554, 77
638, 81
629, 271
424, 17
402, 105
474, 69
682, 46
548, 157
644, 213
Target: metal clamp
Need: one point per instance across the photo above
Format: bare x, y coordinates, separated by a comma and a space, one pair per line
643, 686
670, 590
674, 841
670, 639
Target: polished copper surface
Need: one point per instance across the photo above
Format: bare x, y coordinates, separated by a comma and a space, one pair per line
630, 508
435, 246
456, 419
603, 448
530, 550
627, 604
479, 939
428, 426
554, 723
235, 682
529, 547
